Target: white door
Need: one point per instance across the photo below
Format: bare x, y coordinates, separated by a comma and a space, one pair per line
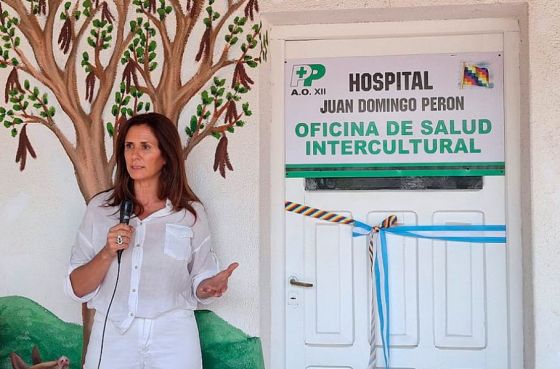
450, 304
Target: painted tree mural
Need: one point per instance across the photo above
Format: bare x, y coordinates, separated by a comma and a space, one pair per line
104, 61
80, 68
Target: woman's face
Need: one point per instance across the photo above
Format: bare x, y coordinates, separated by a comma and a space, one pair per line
142, 154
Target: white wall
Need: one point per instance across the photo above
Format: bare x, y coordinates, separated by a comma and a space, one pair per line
540, 104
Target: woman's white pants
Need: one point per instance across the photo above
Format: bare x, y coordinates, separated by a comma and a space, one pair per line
169, 341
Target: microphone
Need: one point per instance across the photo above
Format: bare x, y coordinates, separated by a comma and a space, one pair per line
125, 212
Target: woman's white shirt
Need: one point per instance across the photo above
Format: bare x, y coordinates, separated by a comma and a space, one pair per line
169, 256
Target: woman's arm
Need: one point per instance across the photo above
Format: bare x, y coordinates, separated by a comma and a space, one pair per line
86, 278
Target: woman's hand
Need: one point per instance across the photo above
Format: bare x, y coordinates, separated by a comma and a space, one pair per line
118, 238
217, 285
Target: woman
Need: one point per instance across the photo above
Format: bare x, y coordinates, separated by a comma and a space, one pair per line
167, 262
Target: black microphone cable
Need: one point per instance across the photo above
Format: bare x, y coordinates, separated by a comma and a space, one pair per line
107, 315
125, 212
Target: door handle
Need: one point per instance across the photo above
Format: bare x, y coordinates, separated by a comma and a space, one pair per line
295, 282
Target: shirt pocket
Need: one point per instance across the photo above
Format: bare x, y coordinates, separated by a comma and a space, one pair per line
177, 241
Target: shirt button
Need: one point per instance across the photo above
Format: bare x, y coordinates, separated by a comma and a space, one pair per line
131, 314
136, 267
134, 290
137, 245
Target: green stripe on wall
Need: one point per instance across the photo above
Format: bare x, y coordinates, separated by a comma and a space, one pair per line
398, 165
394, 170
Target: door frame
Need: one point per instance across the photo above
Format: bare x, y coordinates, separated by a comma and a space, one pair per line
273, 291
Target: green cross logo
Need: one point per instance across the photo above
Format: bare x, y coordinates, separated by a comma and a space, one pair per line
301, 72
306, 73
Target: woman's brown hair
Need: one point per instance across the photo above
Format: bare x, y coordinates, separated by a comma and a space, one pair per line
172, 180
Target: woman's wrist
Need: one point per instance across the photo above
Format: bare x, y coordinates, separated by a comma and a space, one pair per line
105, 254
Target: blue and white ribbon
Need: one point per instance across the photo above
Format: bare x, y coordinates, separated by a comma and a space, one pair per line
380, 264
379, 261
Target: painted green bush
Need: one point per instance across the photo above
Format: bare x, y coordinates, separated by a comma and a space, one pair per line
24, 324
226, 347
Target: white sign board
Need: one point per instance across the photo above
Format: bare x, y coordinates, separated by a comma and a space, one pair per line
387, 116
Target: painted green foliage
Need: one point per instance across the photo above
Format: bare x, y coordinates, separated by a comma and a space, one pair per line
24, 324
96, 63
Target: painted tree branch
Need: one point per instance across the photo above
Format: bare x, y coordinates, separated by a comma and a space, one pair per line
162, 28
173, 62
40, 76
49, 74
70, 65
109, 76
177, 7
129, 47
232, 8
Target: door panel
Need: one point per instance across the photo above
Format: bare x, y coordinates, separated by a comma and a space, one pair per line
328, 307
459, 291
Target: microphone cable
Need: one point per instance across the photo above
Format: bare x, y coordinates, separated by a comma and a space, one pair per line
107, 315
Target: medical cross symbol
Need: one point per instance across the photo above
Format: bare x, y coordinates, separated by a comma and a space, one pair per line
306, 73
